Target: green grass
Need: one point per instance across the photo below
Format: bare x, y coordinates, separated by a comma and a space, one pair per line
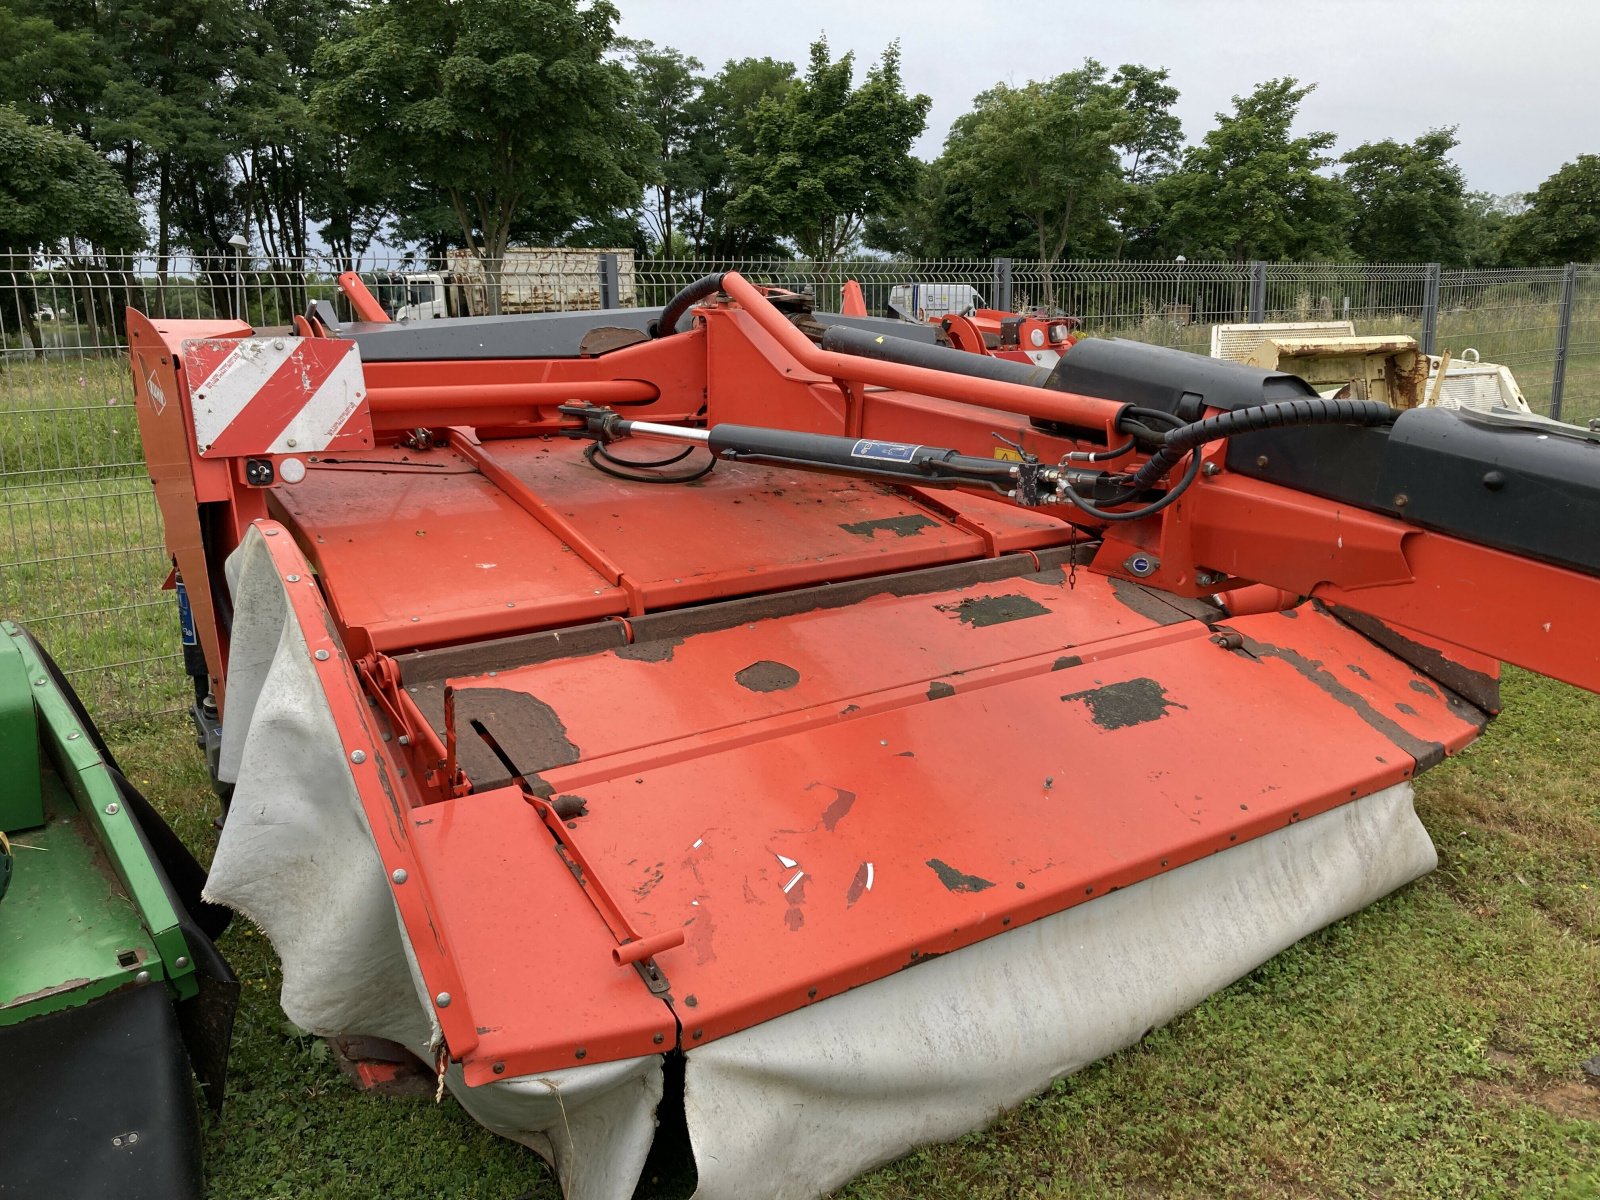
81, 550
1428, 1046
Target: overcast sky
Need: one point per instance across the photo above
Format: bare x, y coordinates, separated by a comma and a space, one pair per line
1521, 78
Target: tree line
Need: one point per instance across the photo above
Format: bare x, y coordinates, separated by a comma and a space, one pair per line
171, 127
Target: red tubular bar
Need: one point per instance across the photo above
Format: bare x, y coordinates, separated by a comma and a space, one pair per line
647, 947
363, 301
1085, 411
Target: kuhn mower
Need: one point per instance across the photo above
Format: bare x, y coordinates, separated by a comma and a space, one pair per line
873, 732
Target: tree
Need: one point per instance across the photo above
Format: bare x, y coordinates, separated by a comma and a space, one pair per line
1251, 191
512, 110
54, 191
1409, 204
1487, 222
1045, 153
291, 168
164, 113
1150, 147
1562, 221
937, 221
54, 187
828, 154
668, 86
721, 122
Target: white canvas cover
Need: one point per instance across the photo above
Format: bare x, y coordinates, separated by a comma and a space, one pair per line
799, 1104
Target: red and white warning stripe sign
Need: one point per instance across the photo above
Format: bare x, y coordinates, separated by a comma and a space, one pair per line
276, 395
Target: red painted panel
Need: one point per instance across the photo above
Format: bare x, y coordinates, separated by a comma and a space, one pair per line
426, 550
846, 817
642, 705
529, 944
741, 529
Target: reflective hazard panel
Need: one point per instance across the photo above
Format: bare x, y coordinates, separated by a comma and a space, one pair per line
276, 395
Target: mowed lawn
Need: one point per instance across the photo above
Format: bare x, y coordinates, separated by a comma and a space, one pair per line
1430, 1046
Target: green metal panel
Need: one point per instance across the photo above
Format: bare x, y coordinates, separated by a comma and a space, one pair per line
21, 799
68, 932
67, 756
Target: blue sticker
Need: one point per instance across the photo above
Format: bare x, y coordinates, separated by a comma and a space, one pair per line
884, 451
185, 615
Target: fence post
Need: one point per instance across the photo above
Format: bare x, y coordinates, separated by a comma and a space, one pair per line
1258, 292
609, 288
1558, 378
1430, 309
1002, 284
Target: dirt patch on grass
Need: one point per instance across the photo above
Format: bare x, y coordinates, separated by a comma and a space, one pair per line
1565, 1099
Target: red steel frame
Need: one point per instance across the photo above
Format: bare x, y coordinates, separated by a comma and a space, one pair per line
501, 531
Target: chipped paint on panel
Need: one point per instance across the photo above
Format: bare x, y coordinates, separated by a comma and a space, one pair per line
957, 881
1119, 705
907, 526
980, 611
767, 676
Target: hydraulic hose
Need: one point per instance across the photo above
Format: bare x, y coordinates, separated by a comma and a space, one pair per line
1308, 411
667, 323
1129, 424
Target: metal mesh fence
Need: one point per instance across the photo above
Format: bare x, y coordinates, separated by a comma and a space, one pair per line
1510, 317
81, 552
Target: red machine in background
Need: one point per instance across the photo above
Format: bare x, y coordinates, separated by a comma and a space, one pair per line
1037, 337
876, 730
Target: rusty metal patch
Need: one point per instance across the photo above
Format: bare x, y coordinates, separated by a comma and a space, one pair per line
1480, 690
979, 611
1427, 754
767, 676
843, 800
603, 339
957, 881
520, 734
858, 885
1132, 702
655, 650
907, 526
568, 806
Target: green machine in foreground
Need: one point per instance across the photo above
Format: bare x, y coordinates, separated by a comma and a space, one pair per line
111, 990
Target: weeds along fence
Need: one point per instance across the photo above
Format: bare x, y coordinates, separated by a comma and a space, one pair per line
82, 561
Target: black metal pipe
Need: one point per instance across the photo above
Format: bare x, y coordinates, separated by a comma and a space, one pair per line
885, 347
667, 323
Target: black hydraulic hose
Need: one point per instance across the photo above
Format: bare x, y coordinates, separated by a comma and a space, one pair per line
1307, 411
1135, 514
844, 339
1128, 424
667, 323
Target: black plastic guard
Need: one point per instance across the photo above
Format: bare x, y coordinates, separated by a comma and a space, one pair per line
1174, 381
96, 1101
1532, 488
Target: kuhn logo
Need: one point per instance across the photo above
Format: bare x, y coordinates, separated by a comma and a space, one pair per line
158, 398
